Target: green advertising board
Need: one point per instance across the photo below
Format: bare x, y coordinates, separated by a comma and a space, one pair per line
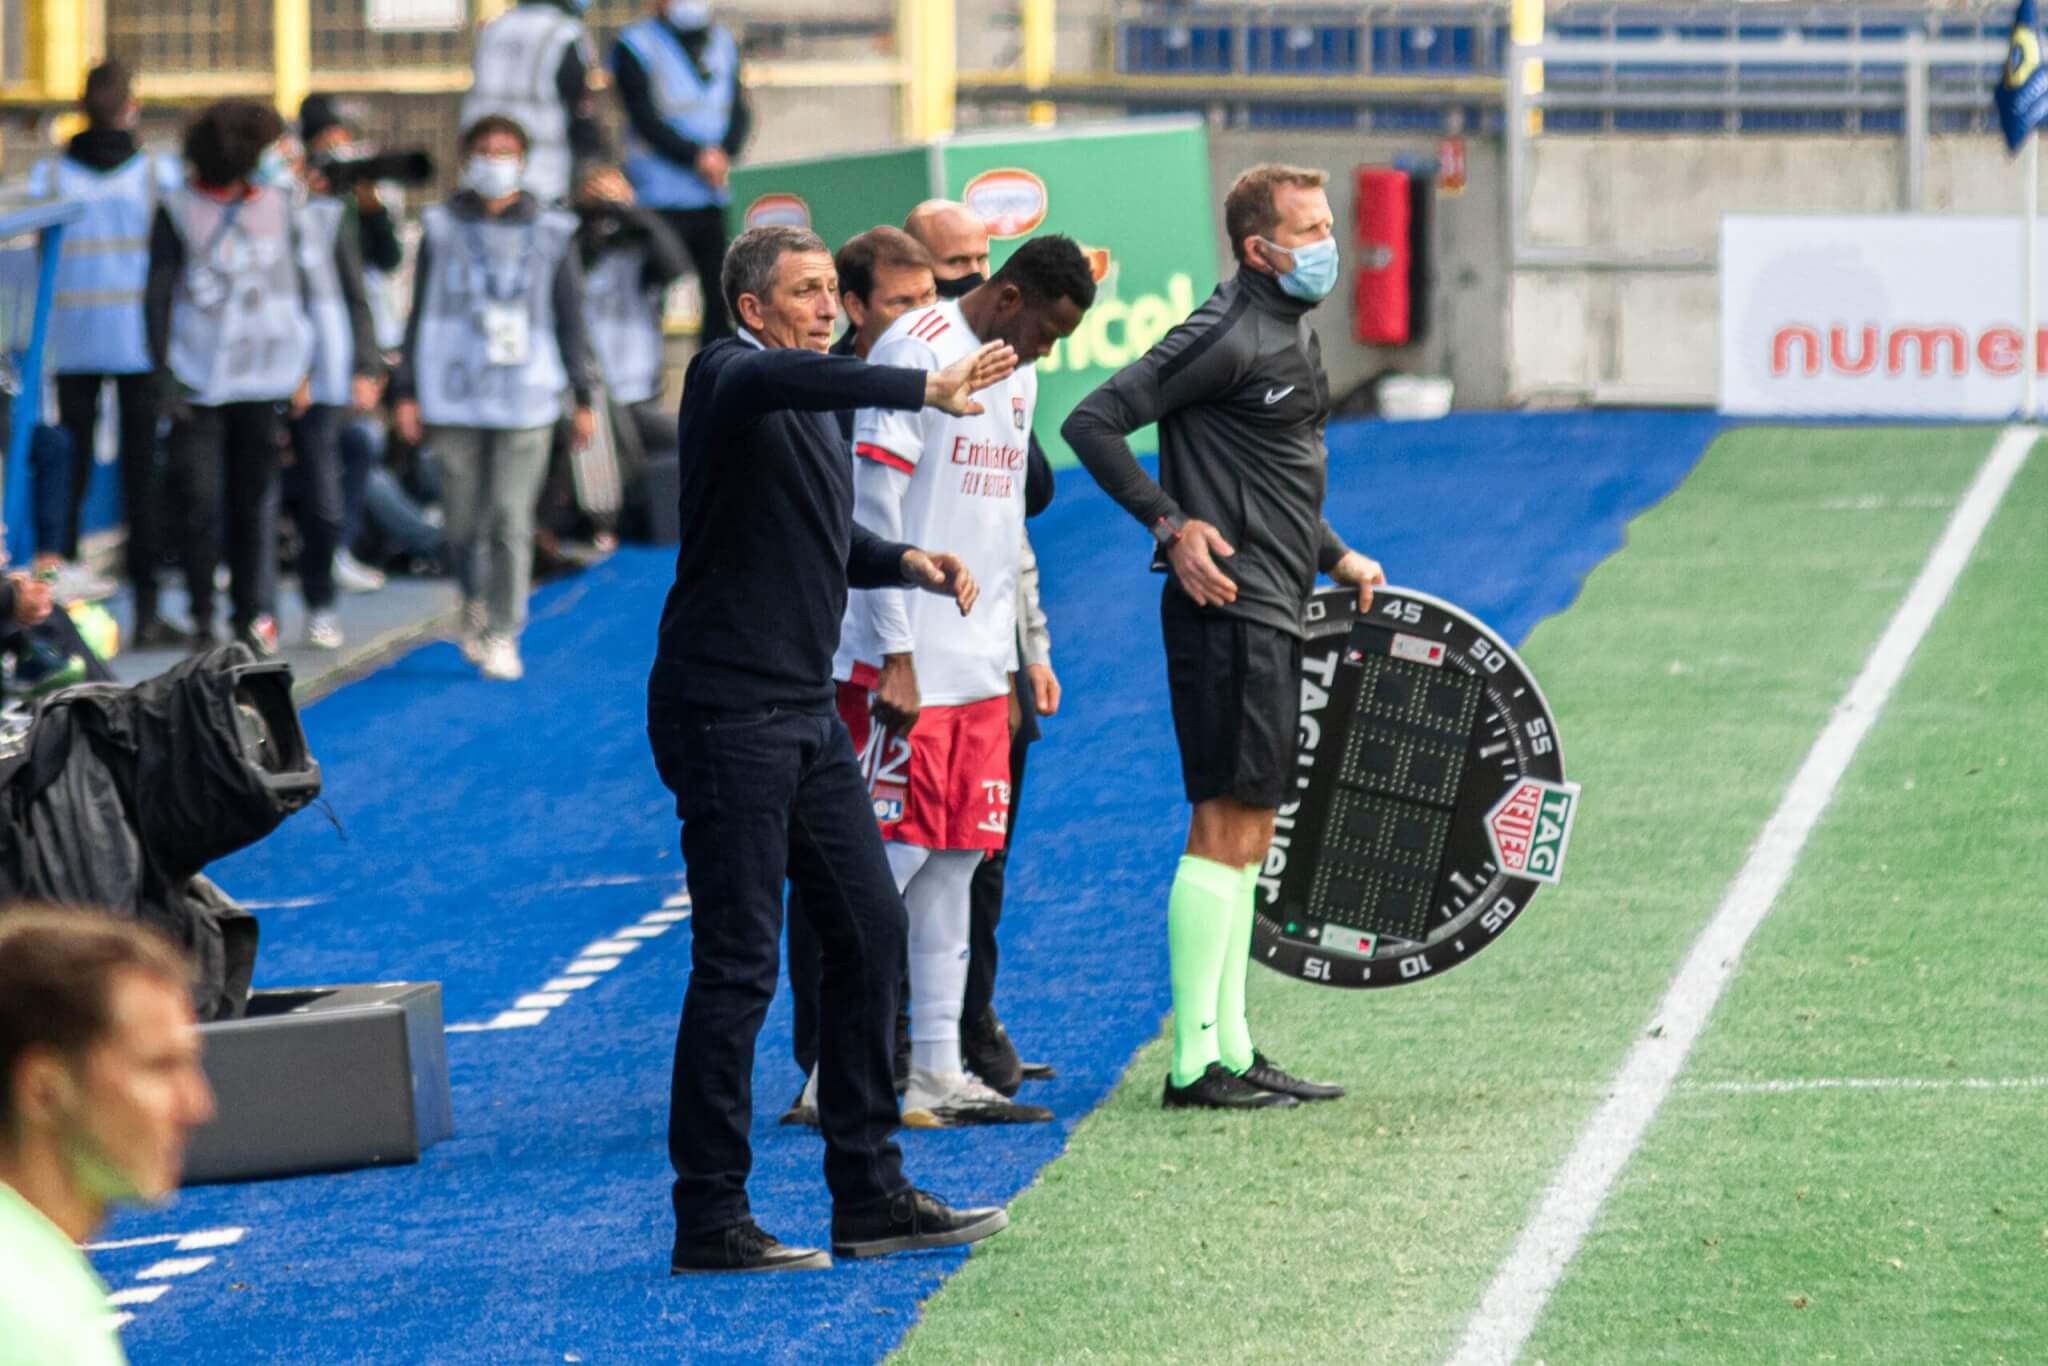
1134, 194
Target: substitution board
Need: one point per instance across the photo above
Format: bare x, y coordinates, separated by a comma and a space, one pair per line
1431, 799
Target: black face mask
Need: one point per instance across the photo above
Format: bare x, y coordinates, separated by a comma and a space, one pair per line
966, 284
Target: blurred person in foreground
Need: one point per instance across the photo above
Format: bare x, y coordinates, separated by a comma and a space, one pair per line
100, 1085
495, 339
97, 337
741, 723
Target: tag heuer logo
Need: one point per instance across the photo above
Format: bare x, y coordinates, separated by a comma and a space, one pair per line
1530, 827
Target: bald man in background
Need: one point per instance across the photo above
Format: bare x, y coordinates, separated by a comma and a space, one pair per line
957, 239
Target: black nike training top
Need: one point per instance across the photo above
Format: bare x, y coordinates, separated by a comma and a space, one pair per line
1241, 400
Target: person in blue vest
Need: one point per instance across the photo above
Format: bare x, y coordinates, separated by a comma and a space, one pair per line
230, 336
96, 333
346, 378
687, 118
496, 337
532, 66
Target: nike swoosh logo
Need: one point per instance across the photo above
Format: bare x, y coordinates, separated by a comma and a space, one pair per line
1273, 396
1209, 1024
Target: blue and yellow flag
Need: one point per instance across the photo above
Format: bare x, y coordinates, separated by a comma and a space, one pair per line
2022, 91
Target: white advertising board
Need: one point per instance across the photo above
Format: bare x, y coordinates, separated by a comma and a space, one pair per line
1895, 316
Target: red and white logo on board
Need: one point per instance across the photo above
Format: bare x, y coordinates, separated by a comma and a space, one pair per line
1012, 201
785, 210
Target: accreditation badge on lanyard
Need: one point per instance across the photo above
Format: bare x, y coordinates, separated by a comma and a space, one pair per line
507, 320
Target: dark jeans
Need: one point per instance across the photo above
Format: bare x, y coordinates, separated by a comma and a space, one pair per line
78, 406
227, 458
766, 796
314, 486
50, 463
703, 234
362, 450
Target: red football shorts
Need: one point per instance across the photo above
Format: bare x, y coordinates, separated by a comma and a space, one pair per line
944, 786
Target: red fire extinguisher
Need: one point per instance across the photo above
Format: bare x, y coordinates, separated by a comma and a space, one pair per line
1380, 310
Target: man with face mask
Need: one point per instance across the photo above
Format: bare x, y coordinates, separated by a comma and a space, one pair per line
1240, 396
957, 239
687, 118
532, 65
100, 1085
496, 334
938, 688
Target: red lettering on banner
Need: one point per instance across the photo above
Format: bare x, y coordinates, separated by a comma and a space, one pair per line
1781, 349
1929, 341
1999, 350
1926, 350
1866, 358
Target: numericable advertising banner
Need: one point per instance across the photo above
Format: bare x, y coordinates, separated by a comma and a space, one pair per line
1134, 194
1882, 316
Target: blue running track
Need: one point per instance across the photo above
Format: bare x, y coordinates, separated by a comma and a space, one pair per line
490, 831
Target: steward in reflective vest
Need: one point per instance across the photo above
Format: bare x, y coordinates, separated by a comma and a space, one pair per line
96, 333
346, 372
686, 119
532, 66
232, 341
496, 335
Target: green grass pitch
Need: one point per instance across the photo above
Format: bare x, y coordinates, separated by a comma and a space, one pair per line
1882, 1223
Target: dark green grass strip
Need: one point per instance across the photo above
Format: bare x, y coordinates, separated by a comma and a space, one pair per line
1881, 1225
1689, 680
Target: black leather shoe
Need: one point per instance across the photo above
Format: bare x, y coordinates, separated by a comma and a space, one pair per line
910, 1220
988, 1053
1220, 1089
1036, 1071
1264, 1075
743, 1247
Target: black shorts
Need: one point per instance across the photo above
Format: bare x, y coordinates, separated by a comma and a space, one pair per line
1236, 689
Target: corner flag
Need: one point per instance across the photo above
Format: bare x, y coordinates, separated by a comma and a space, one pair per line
2021, 94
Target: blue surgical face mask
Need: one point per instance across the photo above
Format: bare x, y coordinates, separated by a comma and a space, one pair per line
273, 168
1315, 269
689, 14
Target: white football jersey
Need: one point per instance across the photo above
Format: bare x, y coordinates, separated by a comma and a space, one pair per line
966, 495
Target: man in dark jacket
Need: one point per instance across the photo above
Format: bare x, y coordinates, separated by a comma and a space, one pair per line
1241, 400
741, 721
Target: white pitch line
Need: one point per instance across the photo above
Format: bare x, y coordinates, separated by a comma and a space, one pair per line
139, 1294
1522, 1287
187, 1242
1774, 1088
173, 1266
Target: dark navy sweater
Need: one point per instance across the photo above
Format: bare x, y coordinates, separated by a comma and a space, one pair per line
769, 544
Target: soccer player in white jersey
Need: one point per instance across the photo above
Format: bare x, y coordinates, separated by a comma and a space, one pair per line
938, 762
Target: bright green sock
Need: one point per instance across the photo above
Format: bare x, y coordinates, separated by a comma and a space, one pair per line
1198, 926
1233, 1031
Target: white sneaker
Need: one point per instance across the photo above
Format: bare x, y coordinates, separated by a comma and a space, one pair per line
470, 637
353, 576
936, 1100
501, 659
323, 631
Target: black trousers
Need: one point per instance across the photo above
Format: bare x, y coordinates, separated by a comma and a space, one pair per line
984, 912
226, 460
78, 409
703, 234
766, 796
314, 486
